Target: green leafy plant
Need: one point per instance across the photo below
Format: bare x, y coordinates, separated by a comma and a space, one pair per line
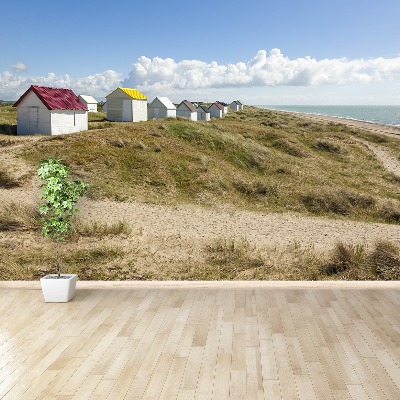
60, 195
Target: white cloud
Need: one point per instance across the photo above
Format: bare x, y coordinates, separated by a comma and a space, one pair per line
273, 69
202, 80
97, 85
19, 67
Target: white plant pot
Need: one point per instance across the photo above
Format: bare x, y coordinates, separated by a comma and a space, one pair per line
58, 290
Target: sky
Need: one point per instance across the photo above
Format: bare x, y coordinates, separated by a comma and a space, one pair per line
262, 52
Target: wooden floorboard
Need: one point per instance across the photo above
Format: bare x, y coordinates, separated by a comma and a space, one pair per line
202, 340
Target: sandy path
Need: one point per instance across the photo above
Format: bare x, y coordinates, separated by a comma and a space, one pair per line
198, 224
391, 163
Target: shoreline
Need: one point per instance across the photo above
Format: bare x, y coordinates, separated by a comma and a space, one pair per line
370, 126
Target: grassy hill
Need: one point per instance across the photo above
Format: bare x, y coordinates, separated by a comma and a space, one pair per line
254, 159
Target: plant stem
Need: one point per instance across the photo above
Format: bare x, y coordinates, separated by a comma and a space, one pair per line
58, 258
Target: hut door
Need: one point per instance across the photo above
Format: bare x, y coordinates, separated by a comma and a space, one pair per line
127, 112
33, 116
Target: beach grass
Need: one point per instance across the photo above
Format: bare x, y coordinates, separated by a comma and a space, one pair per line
255, 159
118, 255
8, 120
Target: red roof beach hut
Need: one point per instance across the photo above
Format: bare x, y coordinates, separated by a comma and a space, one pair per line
50, 111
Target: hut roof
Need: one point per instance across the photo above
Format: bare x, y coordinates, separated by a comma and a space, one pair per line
217, 104
55, 99
88, 99
204, 108
167, 103
133, 93
189, 105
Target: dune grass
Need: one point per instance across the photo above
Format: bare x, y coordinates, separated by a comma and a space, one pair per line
254, 159
16, 216
8, 182
225, 258
98, 262
356, 262
100, 229
99, 251
8, 120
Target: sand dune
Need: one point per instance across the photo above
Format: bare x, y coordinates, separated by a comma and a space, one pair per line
199, 225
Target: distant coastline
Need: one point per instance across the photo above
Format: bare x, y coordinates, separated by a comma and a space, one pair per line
383, 115
367, 125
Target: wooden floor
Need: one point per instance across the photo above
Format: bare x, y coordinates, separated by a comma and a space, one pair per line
243, 340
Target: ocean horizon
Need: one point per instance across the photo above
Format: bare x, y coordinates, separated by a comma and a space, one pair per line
386, 115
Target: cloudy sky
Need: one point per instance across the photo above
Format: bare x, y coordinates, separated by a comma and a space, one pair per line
260, 51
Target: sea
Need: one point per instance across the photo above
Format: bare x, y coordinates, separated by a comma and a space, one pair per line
386, 115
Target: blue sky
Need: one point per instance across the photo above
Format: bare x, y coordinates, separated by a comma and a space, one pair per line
262, 52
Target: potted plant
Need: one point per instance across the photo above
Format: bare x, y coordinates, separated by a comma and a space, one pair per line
60, 195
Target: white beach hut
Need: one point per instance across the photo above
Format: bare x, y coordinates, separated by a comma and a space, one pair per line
161, 107
186, 110
236, 105
215, 110
203, 113
126, 105
50, 111
89, 101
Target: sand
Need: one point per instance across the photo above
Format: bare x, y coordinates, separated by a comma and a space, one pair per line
200, 225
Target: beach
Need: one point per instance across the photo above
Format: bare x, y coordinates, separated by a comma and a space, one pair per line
369, 126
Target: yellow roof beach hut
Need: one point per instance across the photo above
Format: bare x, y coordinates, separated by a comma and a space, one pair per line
126, 105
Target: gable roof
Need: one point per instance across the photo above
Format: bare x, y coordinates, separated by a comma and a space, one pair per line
133, 93
217, 104
189, 105
222, 103
55, 99
204, 108
166, 102
88, 99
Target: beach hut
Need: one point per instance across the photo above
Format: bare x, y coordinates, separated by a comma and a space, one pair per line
50, 111
224, 107
203, 113
236, 105
89, 101
215, 110
161, 107
126, 105
187, 110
